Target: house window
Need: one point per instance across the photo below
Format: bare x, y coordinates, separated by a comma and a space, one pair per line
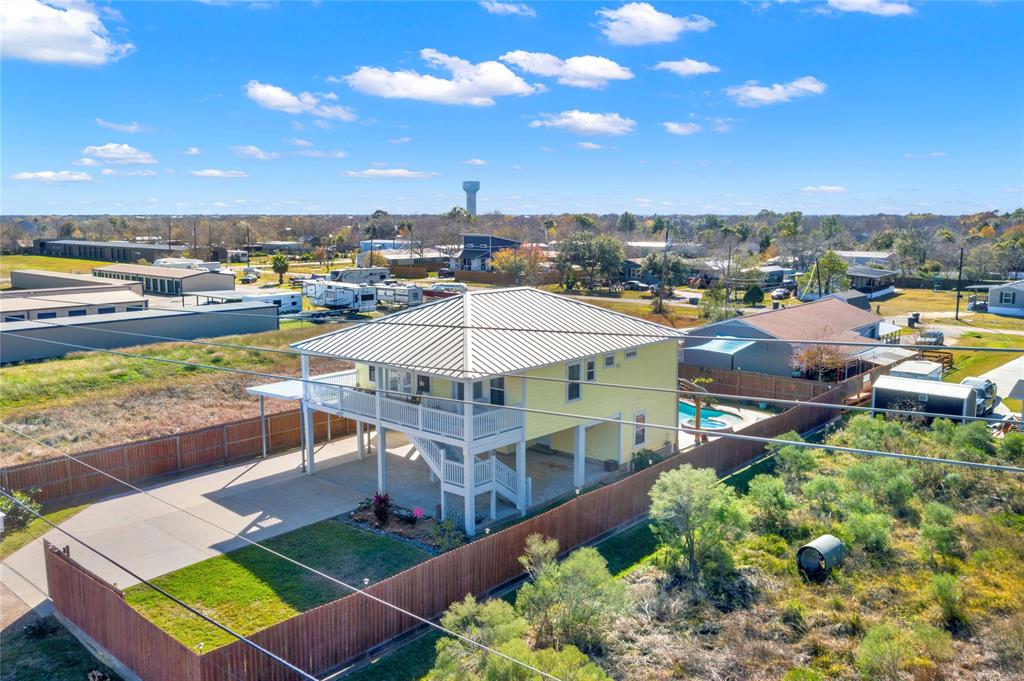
372, 374
498, 390
478, 391
572, 388
399, 381
423, 385
609, 361
105, 310
459, 391
591, 370
46, 315
1007, 297
631, 354
922, 398
640, 429
76, 313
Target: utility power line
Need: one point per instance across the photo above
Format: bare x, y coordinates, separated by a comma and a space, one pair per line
770, 400
252, 644
273, 552
576, 417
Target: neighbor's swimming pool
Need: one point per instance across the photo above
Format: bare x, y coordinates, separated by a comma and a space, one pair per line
711, 419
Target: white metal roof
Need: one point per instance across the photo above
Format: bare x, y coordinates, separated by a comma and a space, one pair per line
919, 367
488, 333
923, 387
293, 389
886, 354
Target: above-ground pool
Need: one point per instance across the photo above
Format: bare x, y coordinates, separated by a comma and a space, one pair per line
710, 419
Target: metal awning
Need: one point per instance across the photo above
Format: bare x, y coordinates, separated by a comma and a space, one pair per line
724, 346
886, 355
472, 253
292, 390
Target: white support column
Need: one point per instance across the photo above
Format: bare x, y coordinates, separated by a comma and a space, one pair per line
494, 493
469, 461
579, 456
263, 427
360, 445
307, 422
382, 460
521, 474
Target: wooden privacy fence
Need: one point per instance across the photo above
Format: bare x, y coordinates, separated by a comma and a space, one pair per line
754, 384
225, 443
409, 271
335, 633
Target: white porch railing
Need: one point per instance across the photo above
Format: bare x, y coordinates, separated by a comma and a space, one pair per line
426, 414
454, 473
483, 473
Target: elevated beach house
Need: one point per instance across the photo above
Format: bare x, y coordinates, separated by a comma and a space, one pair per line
486, 384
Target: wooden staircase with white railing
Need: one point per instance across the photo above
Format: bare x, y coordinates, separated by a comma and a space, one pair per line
487, 473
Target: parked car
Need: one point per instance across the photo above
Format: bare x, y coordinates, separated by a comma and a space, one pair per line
986, 392
780, 294
453, 287
930, 337
634, 285
250, 279
445, 273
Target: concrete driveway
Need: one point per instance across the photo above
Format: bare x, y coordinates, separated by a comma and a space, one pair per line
256, 499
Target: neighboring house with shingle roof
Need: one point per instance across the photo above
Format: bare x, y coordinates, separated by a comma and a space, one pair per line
445, 374
821, 320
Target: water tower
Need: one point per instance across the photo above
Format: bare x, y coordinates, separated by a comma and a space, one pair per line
471, 187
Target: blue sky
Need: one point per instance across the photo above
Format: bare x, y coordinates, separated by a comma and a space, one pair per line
856, 106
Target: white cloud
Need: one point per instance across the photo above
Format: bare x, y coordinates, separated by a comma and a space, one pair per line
192, 151
586, 123
54, 176
252, 151
721, 124
68, 33
687, 67
112, 152
295, 141
475, 162
127, 173
930, 154
210, 172
587, 71
401, 173
132, 127
824, 189
642, 201
152, 200
90, 162
1013, 190
473, 84
752, 94
400, 140
882, 8
518, 9
278, 99
589, 146
638, 23
682, 128
319, 153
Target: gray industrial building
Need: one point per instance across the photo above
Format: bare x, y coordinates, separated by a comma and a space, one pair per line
79, 301
168, 280
33, 340
111, 251
44, 279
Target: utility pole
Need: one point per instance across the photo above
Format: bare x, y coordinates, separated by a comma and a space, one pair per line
817, 274
959, 279
195, 239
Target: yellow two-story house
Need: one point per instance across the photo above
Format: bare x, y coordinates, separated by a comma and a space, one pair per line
480, 382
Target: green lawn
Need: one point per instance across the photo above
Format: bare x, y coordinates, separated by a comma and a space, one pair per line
44, 262
15, 539
250, 589
975, 363
46, 651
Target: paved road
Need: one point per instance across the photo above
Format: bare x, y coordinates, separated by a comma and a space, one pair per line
256, 499
1006, 375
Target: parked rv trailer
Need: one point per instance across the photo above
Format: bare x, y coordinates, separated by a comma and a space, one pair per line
399, 294
339, 295
361, 275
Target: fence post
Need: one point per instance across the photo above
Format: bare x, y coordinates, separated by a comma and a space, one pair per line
127, 471
224, 432
177, 454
